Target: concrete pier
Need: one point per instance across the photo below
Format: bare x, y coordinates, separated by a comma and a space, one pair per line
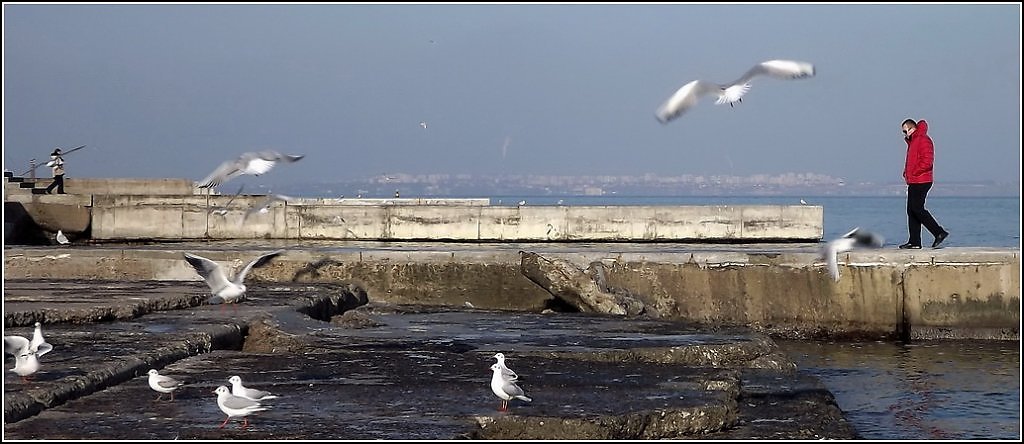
174, 210
780, 289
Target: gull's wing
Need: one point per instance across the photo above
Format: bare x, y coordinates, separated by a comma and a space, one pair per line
510, 388
16, 345
209, 270
852, 232
239, 403
832, 259
779, 69
43, 349
232, 199
275, 156
226, 171
868, 239
167, 381
684, 99
256, 263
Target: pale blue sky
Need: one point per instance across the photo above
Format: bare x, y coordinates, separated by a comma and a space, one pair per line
173, 90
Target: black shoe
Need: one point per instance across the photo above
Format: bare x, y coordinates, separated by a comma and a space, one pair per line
910, 246
938, 239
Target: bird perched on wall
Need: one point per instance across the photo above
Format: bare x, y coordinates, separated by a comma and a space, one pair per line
240, 390
163, 384
505, 387
234, 406
251, 163
731, 93
856, 238
226, 291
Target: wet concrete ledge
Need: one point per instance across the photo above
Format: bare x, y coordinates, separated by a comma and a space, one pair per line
591, 377
782, 290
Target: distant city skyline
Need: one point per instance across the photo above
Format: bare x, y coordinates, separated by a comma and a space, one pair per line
173, 90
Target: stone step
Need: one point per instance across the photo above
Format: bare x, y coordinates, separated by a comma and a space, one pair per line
8, 174
39, 191
28, 184
15, 179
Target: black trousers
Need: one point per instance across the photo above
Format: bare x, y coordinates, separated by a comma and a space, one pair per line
917, 215
58, 181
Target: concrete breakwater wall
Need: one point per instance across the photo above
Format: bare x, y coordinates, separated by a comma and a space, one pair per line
188, 217
924, 294
113, 217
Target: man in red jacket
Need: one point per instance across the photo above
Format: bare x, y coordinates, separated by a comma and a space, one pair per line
918, 174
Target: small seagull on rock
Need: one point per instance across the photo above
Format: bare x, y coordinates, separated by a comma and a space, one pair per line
234, 406
163, 384
240, 390
505, 388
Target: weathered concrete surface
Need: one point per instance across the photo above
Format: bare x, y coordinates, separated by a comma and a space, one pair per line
575, 287
784, 290
417, 373
185, 217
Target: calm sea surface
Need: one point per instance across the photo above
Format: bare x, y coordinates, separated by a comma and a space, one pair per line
971, 221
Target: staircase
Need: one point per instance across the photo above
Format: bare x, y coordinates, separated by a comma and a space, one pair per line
23, 185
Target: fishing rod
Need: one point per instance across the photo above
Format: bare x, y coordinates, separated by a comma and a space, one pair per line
50, 163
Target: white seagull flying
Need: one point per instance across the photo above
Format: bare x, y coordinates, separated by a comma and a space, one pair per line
253, 163
688, 96
856, 238
226, 291
264, 206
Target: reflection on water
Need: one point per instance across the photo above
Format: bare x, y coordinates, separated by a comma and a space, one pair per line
924, 390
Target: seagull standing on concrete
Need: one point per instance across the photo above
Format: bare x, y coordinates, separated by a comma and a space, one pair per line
251, 163
688, 96
505, 388
234, 406
240, 390
163, 384
856, 238
26, 352
226, 291
61, 238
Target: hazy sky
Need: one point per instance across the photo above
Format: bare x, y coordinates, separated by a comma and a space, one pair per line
173, 90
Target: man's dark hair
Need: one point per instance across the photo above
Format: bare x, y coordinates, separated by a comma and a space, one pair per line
910, 122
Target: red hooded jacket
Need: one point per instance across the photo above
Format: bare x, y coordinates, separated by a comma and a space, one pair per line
920, 156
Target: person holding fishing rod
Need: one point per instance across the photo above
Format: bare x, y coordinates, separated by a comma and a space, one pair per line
57, 164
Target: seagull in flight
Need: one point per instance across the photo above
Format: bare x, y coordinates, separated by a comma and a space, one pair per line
264, 206
226, 290
856, 238
424, 125
688, 96
252, 163
221, 211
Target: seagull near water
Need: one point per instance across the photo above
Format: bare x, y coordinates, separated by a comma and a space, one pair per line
688, 96
163, 384
252, 163
856, 238
234, 406
226, 291
505, 387
505, 371
27, 352
240, 390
